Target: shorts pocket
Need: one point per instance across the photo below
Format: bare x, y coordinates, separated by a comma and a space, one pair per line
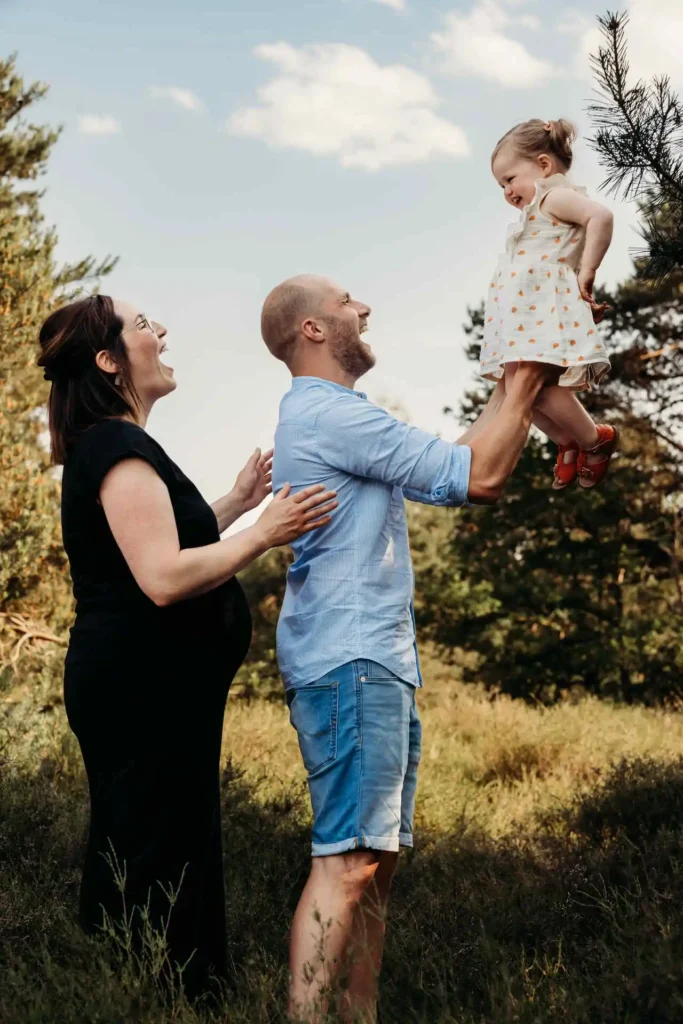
313, 713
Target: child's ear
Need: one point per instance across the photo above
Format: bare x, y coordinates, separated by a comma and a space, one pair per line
546, 164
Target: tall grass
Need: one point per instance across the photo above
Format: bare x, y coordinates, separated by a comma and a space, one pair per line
546, 884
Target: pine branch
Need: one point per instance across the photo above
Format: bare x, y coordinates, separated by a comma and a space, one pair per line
640, 141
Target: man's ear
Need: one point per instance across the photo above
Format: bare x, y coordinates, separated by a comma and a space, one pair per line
105, 362
313, 331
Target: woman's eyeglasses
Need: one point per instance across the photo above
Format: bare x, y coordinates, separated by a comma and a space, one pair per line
141, 324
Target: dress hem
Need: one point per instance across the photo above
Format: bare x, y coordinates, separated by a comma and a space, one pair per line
594, 371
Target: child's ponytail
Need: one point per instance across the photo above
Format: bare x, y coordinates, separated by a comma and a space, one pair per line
562, 135
531, 138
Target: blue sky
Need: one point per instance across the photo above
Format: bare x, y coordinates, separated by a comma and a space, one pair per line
218, 147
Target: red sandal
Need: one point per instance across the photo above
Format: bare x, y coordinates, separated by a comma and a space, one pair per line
592, 474
564, 473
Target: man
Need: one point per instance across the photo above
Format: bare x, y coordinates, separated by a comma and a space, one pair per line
346, 636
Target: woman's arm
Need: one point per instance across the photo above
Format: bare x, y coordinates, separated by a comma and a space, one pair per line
149, 539
598, 221
252, 485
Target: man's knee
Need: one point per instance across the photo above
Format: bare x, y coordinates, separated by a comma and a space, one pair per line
378, 891
350, 873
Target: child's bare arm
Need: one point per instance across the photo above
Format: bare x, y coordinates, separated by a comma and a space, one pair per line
572, 208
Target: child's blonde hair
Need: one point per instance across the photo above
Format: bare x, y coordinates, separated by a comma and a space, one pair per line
532, 138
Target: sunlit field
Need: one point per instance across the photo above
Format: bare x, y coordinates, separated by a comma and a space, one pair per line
545, 885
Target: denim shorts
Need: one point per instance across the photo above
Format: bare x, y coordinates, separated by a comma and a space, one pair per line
360, 738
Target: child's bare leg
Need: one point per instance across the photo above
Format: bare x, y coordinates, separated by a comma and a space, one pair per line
561, 416
551, 429
563, 408
541, 420
564, 418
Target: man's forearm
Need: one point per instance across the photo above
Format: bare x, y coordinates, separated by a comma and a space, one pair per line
497, 447
487, 414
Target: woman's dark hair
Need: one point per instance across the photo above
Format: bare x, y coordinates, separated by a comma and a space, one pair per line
82, 394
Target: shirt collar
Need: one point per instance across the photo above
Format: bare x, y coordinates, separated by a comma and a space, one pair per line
299, 382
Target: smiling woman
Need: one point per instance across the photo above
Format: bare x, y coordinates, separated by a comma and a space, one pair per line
161, 627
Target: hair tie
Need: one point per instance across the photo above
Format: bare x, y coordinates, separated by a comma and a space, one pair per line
548, 126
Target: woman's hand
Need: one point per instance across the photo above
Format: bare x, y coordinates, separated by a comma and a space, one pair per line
253, 482
287, 518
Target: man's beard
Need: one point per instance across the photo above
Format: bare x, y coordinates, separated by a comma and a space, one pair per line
353, 356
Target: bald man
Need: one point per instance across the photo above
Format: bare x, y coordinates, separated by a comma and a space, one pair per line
346, 636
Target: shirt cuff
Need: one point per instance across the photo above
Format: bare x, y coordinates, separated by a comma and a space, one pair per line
460, 475
452, 493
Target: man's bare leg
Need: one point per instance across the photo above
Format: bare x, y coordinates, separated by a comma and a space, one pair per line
322, 929
367, 945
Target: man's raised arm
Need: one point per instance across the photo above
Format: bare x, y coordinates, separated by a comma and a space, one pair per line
364, 440
497, 439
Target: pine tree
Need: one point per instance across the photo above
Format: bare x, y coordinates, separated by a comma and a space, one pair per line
639, 140
34, 582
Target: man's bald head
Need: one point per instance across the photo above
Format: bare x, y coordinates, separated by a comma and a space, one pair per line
287, 307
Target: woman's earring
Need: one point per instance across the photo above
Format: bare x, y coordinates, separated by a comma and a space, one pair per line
118, 380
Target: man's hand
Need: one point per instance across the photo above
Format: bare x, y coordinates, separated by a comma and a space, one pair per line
586, 280
530, 374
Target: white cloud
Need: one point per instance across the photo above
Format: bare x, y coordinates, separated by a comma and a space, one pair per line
654, 36
396, 5
182, 97
98, 124
476, 44
575, 23
335, 100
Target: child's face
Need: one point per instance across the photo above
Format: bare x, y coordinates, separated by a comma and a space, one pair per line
518, 175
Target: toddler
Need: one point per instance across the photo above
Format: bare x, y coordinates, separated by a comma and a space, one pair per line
540, 305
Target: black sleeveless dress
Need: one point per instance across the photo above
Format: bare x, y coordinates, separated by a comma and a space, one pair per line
145, 692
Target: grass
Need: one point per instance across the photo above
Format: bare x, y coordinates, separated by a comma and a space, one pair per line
546, 884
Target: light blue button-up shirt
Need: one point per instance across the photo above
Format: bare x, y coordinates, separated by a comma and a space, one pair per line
350, 589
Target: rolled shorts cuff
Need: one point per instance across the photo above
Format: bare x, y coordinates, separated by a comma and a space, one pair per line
381, 843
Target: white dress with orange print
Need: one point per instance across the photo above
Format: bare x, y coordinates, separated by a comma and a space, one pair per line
534, 311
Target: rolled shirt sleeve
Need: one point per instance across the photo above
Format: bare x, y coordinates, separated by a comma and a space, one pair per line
362, 439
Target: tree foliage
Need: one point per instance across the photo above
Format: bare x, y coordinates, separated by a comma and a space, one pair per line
34, 582
639, 139
549, 591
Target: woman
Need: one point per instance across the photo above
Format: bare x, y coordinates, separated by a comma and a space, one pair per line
161, 628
